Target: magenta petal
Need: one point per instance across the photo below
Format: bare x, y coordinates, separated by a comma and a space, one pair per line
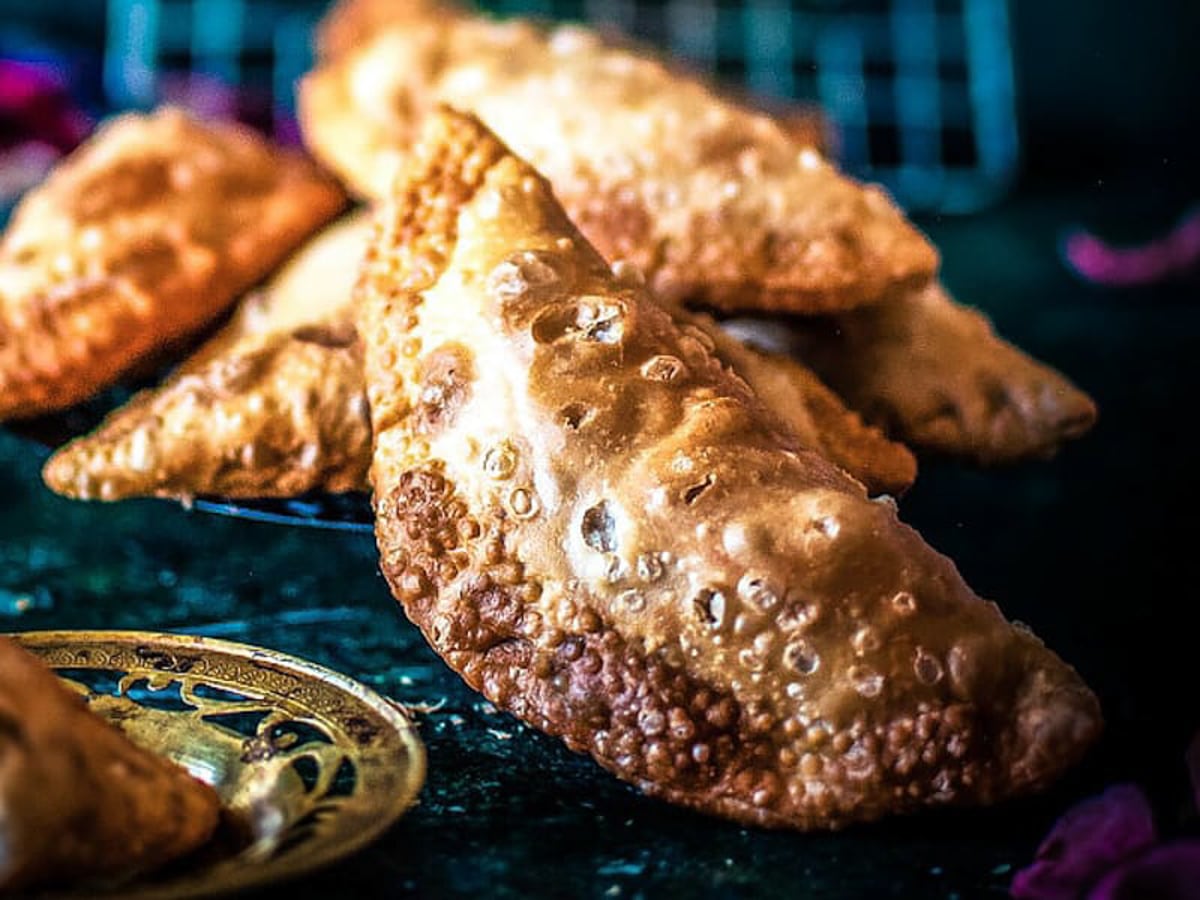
1174, 254
1169, 872
1091, 838
1103, 264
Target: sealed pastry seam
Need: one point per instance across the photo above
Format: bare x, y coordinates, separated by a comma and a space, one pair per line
602, 530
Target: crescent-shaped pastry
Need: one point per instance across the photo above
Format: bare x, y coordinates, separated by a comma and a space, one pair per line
603, 531
351, 24
77, 799
139, 239
934, 374
273, 406
714, 202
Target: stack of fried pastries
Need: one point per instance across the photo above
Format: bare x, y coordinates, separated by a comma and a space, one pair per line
609, 511
275, 405
718, 205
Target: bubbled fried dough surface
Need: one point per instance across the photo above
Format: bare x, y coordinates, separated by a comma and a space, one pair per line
77, 799
273, 406
933, 373
599, 528
715, 203
139, 239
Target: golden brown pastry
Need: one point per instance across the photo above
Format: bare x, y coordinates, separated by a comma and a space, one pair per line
273, 406
814, 414
350, 24
715, 203
77, 799
807, 126
602, 530
933, 373
139, 239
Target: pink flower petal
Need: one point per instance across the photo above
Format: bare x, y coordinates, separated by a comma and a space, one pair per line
35, 105
1168, 872
1088, 841
1174, 254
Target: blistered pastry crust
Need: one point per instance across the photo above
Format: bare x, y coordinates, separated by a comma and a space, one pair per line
934, 374
715, 203
273, 406
139, 239
608, 536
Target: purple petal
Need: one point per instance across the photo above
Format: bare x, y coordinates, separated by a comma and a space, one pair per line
36, 106
1171, 255
1169, 872
1085, 843
22, 83
1101, 263
23, 166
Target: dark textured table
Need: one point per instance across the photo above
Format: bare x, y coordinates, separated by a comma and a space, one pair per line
1095, 550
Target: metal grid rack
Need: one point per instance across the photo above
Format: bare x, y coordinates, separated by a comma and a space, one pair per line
919, 92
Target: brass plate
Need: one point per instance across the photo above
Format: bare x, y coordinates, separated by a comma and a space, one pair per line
310, 764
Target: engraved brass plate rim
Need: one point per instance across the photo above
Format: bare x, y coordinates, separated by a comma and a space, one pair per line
353, 723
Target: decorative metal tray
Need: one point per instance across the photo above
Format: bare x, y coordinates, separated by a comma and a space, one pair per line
311, 765
336, 512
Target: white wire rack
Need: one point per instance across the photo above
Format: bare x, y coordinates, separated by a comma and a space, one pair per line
919, 92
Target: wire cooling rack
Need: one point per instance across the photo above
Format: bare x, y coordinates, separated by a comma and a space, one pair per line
919, 92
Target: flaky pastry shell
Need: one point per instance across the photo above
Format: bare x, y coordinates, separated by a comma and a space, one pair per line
604, 532
137, 241
716, 203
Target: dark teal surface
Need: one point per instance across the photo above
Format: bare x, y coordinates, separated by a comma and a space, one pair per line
1095, 550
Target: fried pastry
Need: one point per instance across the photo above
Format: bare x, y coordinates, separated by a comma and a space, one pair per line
77, 799
350, 24
714, 202
273, 406
814, 414
142, 237
934, 374
807, 126
602, 531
